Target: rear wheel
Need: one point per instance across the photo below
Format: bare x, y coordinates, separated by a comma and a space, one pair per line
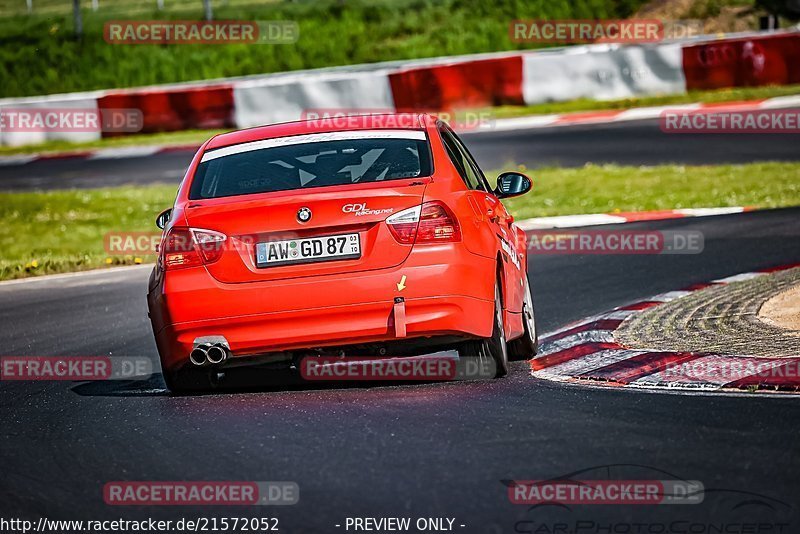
494, 347
527, 345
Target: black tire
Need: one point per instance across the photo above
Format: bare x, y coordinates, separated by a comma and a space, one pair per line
492, 347
526, 346
185, 381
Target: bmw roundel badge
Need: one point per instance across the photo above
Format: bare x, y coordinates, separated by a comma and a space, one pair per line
304, 215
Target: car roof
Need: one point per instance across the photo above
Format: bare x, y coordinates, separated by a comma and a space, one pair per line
331, 123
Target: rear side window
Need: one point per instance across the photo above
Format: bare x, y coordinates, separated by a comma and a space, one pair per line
469, 160
309, 161
460, 159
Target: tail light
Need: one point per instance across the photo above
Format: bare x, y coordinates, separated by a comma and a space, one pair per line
191, 247
432, 222
403, 224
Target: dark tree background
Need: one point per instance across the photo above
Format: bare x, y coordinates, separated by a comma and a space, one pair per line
785, 8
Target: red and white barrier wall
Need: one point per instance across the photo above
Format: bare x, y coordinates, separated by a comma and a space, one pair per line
275, 99
464, 83
180, 108
603, 72
33, 136
746, 61
600, 72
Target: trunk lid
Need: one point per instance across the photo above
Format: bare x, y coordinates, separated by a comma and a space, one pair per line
262, 228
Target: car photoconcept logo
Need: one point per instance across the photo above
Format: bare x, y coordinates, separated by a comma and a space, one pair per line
304, 215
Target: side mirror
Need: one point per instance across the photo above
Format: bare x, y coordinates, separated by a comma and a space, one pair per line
512, 184
163, 218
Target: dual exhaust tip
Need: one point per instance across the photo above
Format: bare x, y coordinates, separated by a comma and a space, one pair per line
205, 354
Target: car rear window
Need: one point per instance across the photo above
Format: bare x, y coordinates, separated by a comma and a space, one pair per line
314, 160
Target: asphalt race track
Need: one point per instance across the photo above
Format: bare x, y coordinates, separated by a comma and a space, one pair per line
437, 450
625, 143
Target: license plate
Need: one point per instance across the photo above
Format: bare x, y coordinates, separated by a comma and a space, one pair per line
308, 250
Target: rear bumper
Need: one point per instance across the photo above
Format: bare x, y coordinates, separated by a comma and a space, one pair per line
440, 299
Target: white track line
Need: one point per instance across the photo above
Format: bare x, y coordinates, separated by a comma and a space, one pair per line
81, 274
738, 278
781, 102
595, 219
706, 212
570, 221
125, 152
668, 296
21, 159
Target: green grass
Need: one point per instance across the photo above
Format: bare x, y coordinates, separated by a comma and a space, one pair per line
59, 231
197, 137
40, 54
609, 188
